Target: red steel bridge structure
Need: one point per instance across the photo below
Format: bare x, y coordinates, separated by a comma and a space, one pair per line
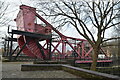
45, 42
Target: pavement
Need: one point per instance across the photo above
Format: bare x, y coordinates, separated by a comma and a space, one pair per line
0, 67
13, 70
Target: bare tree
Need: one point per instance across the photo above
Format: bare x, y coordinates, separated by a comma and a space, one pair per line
117, 31
3, 8
83, 16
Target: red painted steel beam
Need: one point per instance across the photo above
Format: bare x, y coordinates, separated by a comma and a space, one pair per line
56, 46
73, 49
87, 54
57, 50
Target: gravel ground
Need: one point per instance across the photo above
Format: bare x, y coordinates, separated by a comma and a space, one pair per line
12, 70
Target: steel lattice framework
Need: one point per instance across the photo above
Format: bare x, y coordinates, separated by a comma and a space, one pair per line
31, 34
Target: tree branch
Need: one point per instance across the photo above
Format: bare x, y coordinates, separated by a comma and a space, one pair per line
110, 39
93, 10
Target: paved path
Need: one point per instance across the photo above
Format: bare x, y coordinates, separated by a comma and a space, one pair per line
12, 70
0, 67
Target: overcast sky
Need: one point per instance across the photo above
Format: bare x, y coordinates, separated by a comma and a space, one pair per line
12, 12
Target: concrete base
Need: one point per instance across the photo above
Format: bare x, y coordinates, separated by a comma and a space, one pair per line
49, 62
41, 67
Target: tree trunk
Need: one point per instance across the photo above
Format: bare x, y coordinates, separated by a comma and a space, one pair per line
118, 52
94, 58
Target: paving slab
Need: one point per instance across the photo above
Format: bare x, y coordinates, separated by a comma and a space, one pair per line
13, 70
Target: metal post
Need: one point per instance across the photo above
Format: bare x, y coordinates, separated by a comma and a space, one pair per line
11, 44
15, 50
8, 29
4, 53
7, 48
63, 48
83, 45
50, 44
41, 50
20, 50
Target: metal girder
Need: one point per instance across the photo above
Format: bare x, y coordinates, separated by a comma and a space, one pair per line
15, 50
31, 34
41, 50
20, 50
11, 39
